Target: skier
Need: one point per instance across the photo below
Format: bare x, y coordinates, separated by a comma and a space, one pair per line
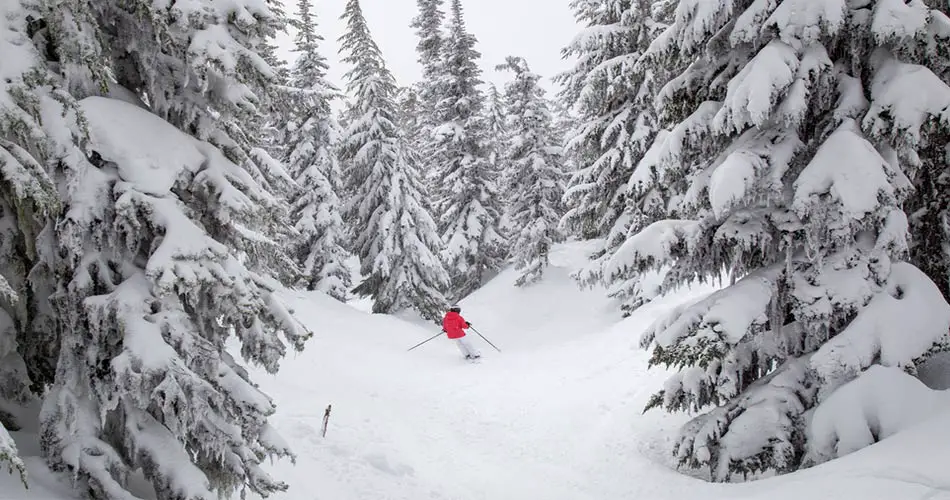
454, 326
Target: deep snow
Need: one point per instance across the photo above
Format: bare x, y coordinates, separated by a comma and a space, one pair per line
556, 415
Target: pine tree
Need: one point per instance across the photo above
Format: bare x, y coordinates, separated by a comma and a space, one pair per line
260, 153
611, 193
271, 120
428, 91
396, 237
534, 175
563, 124
497, 143
469, 203
410, 117
929, 202
409, 110
268, 161
428, 25
29, 204
497, 128
156, 260
310, 141
792, 136
595, 89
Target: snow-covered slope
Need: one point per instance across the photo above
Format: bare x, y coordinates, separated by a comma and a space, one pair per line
557, 415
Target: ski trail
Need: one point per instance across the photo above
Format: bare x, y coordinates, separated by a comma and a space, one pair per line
556, 416
534, 421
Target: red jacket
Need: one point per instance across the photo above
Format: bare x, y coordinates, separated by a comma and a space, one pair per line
454, 325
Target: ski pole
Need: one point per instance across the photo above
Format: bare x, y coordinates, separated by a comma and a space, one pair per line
424, 341
483, 338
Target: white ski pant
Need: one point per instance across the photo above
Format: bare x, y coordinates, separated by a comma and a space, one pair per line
466, 347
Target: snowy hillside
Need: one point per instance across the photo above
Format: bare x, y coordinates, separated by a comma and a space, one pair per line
556, 415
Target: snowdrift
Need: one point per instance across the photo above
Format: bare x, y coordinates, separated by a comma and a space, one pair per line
556, 415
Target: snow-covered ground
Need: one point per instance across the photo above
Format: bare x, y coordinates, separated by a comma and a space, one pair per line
556, 415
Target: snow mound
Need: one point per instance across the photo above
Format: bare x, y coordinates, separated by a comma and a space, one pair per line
880, 403
552, 310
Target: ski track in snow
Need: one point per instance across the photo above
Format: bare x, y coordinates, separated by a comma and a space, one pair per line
556, 416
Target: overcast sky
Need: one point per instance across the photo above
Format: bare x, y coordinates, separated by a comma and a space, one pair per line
533, 29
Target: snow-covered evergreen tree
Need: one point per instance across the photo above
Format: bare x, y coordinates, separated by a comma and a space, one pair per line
496, 128
409, 108
564, 122
929, 204
280, 103
534, 177
613, 97
254, 142
410, 117
395, 235
497, 141
596, 90
28, 204
311, 135
428, 25
468, 200
428, 91
155, 251
794, 131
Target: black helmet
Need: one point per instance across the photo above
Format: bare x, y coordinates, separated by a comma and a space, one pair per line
455, 308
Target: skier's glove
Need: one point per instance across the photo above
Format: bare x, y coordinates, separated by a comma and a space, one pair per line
468, 324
